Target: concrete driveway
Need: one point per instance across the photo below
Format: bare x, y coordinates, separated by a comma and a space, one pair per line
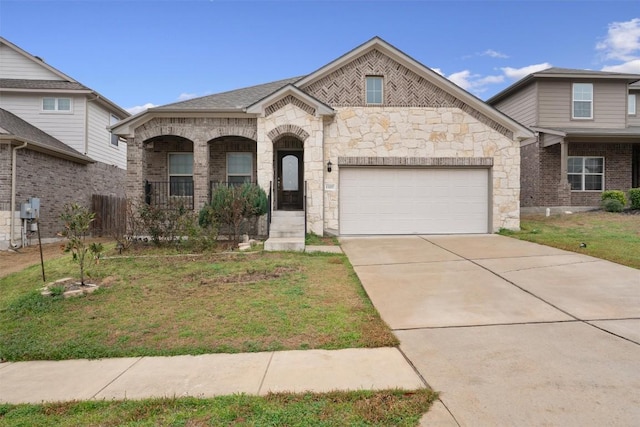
511, 333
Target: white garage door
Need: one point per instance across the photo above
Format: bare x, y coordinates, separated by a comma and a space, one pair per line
413, 201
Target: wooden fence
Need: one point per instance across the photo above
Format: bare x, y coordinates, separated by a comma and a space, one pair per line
111, 215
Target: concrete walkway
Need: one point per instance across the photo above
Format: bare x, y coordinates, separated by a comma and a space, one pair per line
509, 332
206, 375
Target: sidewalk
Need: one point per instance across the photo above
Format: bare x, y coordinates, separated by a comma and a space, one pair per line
206, 375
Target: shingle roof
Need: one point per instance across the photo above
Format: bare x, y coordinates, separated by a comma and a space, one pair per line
573, 71
231, 100
40, 84
12, 125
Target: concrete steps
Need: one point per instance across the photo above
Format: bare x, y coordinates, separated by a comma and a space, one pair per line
286, 232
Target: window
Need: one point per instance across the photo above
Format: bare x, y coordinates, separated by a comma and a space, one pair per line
582, 101
115, 139
586, 173
374, 90
631, 106
181, 174
239, 168
56, 104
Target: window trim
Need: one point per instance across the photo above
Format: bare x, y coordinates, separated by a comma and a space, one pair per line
245, 153
573, 102
56, 101
583, 174
630, 111
113, 137
169, 174
366, 89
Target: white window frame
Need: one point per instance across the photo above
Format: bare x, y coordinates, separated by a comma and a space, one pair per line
574, 100
373, 91
56, 105
584, 173
242, 153
631, 104
114, 139
169, 174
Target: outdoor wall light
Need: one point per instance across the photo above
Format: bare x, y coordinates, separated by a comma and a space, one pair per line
329, 166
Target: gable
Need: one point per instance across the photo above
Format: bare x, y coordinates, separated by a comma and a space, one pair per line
14, 65
344, 87
289, 99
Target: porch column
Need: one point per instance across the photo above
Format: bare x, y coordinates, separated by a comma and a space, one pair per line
200, 173
264, 156
564, 189
136, 170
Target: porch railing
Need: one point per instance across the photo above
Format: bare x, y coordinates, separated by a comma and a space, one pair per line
270, 206
304, 207
169, 195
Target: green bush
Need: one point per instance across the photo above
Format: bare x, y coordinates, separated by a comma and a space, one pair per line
634, 197
77, 221
612, 205
614, 195
233, 206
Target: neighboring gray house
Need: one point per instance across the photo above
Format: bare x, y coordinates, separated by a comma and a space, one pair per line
56, 130
588, 135
371, 143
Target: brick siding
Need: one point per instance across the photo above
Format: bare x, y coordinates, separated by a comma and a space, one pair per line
58, 181
544, 188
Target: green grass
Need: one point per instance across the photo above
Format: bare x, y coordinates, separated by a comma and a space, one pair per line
312, 239
611, 236
373, 408
172, 305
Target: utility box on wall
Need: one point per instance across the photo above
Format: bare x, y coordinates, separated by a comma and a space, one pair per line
30, 209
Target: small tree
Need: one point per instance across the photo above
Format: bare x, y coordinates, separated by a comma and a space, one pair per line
77, 220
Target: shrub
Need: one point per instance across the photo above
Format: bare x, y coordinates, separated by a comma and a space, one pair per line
612, 205
634, 197
615, 195
233, 207
162, 225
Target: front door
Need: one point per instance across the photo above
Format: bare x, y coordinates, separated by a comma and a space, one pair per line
289, 180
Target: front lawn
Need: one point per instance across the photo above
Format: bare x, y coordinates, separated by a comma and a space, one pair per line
611, 236
373, 408
175, 304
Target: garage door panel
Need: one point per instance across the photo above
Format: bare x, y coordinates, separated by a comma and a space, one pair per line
413, 201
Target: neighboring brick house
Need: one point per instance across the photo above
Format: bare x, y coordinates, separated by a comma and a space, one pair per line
371, 143
56, 129
588, 135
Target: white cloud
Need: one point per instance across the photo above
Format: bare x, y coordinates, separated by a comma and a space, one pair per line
622, 41
632, 67
438, 70
518, 73
139, 108
474, 82
494, 54
185, 96
462, 79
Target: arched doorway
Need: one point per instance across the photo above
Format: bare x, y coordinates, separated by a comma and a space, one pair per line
289, 173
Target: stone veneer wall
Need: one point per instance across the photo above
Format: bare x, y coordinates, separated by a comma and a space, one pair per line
292, 121
423, 132
57, 182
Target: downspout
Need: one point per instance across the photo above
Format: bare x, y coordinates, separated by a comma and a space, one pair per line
12, 218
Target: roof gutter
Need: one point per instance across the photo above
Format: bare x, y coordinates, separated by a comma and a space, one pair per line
12, 217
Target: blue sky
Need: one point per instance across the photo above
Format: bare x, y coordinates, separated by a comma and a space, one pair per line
144, 53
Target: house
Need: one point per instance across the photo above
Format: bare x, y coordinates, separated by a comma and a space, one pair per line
54, 143
588, 135
372, 143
